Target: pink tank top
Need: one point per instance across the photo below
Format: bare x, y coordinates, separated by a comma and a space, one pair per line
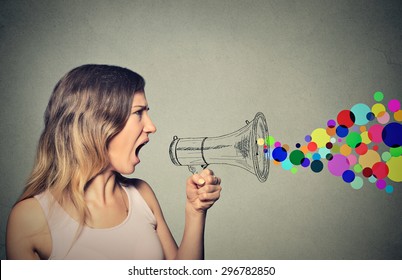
135, 238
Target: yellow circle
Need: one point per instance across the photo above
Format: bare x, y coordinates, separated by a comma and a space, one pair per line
260, 142
320, 137
395, 169
365, 137
377, 109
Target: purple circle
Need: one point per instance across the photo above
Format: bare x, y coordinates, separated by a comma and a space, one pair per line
381, 184
338, 165
307, 138
331, 123
305, 162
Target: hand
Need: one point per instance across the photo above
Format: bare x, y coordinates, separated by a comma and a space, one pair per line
203, 190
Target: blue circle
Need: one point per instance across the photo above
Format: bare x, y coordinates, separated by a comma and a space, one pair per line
348, 176
316, 156
370, 116
342, 131
279, 154
389, 189
392, 135
287, 165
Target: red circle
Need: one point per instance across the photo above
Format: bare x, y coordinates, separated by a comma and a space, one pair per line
346, 118
380, 170
312, 146
361, 149
367, 172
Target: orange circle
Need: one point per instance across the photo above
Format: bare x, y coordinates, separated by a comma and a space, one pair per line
345, 150
304, 149
331, 131
398, 115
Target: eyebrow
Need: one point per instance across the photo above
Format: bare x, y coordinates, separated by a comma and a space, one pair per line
140, 106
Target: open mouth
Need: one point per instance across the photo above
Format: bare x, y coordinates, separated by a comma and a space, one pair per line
137, 150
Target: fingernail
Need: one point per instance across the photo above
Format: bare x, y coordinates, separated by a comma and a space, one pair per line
201, 181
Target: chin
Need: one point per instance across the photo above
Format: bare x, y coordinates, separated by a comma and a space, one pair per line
127, 170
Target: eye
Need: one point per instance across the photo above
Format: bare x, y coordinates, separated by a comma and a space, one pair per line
140, 112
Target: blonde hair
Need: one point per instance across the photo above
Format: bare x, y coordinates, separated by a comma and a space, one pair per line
88, 106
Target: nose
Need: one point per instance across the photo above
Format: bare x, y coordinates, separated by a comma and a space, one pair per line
149, 126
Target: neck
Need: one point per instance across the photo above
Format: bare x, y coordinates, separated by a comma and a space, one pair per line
101, 188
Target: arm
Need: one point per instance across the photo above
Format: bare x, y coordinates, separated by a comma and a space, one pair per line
27, 236
202, 191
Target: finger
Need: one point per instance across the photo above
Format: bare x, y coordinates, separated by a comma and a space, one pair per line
209, 197
212, 180
206, 172
196, 180
209, 189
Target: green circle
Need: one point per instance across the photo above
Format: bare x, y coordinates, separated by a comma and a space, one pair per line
386, 156
353, 139
396, 152
336, 149
357, 183
293, 170
357, 168
378, 96
296, 157
270, 140
309, 155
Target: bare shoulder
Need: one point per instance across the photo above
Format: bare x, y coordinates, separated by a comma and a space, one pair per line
27, 213
26, 230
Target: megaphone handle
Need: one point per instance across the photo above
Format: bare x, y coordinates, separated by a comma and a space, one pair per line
197, 168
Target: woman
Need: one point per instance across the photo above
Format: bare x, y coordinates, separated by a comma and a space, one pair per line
76, 205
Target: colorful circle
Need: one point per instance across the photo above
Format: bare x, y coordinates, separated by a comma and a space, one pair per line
395, 169
346, 118
279, 154
357, 183
342, 131
392, 135
348, 176
320, 137
394, 105
360, 111
338, 165
378, 96
375, 133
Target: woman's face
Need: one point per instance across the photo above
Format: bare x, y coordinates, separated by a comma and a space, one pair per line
124, 147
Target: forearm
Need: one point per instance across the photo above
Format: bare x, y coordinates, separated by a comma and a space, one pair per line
192, 244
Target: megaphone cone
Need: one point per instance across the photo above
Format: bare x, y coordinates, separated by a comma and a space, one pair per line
239, 148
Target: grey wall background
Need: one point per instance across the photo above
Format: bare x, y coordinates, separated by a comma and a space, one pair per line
209, 66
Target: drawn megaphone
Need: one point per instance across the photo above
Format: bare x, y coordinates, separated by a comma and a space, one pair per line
240, 148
